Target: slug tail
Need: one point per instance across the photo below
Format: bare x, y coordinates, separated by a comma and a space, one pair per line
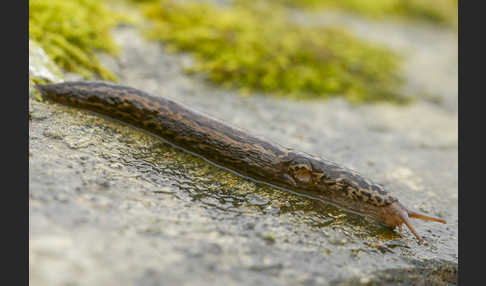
45, 89
417, 215
40, 88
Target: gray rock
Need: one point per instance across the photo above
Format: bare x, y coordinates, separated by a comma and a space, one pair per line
112, 205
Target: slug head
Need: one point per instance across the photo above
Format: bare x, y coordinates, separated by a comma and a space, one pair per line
395, 214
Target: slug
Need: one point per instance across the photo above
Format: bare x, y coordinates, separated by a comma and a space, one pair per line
231, 148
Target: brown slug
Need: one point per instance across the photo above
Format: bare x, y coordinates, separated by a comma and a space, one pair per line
229, 147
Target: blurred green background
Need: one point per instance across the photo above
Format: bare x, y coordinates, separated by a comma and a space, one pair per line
249, 45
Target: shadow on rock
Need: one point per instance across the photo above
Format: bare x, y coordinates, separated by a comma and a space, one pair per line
427, 272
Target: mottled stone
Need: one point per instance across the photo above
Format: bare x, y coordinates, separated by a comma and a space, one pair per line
112, 205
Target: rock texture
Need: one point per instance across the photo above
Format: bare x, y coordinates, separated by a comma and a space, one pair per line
112, 205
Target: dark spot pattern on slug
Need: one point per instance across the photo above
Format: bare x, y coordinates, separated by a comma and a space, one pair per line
228, 146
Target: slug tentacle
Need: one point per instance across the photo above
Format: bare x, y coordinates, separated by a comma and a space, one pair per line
396, 214
417, 215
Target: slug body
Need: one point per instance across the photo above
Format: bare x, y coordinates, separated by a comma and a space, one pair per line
237, 150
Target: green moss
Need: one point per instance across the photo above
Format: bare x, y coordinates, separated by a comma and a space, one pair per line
260, 49
436, 11
70, 32
269, 238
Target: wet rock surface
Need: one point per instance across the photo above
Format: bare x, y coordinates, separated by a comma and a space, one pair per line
112, 205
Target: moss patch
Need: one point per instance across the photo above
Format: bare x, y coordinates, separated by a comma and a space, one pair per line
260, 49
435, 11
70, 32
